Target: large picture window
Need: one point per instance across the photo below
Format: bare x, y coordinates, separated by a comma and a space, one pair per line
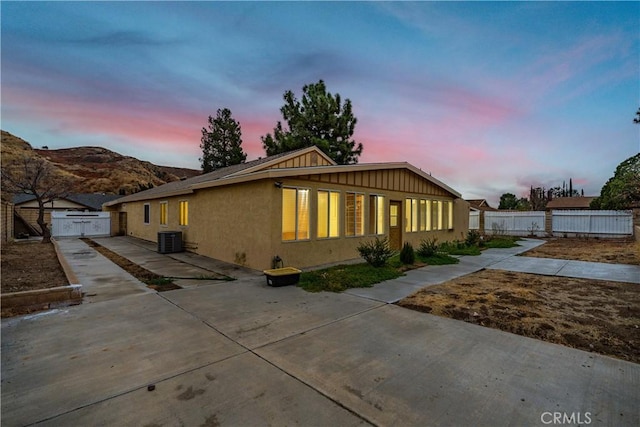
376, 214
184, 212
436, 220
328, 214
295, 214
425, 215
411, 215
164, 213
354, 223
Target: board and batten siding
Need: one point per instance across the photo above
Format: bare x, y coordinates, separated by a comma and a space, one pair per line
389, 180
308, 160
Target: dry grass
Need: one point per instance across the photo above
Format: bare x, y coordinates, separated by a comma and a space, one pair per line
30, 265
614, 251
591, 315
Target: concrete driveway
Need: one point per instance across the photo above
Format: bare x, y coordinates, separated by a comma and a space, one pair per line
242, 353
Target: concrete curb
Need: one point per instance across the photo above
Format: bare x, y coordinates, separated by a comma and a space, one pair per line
40, 299
71, 276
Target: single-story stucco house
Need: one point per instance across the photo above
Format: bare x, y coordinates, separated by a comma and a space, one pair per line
299, 206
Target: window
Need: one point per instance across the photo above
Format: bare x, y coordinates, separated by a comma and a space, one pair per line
163, 213
295, 214
184, 212
425, 215
435, 215
147, 213
450, 215
393, 215
354, 214
328, 214
411, 215
376, 214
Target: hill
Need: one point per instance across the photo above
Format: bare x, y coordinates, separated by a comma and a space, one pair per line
96, 169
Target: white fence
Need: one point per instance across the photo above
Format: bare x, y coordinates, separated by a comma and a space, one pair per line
600, 223
515, 223
80, 224
562, 222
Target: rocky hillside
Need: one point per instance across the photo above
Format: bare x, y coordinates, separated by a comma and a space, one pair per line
96, 169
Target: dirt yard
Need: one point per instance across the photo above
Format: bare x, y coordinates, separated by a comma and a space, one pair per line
591, 315
30, 265
613, 251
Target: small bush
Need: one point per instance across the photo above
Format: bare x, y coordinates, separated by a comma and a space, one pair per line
376, 252
473, 238
407, 254
428, 247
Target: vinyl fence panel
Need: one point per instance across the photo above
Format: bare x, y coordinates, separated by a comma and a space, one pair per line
80, 224
515, 223
474, 220
602, 223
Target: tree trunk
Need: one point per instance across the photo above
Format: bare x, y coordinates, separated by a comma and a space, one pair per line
46, 233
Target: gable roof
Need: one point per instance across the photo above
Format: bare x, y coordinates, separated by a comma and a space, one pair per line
268, 167
91, 201
481, 204
570, 203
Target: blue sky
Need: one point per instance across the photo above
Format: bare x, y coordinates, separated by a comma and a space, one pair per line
488, 97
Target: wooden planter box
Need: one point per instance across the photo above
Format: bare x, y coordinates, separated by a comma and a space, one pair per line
282, 276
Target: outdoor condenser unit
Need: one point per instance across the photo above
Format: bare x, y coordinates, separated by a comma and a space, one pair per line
169, 242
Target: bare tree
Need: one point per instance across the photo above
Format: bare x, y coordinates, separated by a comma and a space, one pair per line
35, 176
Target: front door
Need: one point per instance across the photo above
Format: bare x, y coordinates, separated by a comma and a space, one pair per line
395, 225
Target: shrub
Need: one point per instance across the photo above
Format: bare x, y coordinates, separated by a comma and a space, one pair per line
407, 255
376, 252
428, 247
473, 238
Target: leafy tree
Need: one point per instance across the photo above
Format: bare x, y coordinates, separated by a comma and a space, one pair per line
636, 119
508, 201
35, 176
320, 119
622, 191
221, 144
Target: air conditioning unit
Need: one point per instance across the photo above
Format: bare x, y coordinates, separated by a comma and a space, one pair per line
169, 242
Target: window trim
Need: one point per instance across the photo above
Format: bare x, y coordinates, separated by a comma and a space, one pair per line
180, 204
146, 214
296, 230
166, 213
411, 214
376, 210
355, 216
329, 191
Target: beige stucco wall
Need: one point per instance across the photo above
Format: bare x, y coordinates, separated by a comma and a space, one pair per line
242, 223
316, 251
228, 223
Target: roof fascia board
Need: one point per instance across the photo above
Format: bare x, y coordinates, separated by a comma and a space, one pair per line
148, 197
317, 170
284, 158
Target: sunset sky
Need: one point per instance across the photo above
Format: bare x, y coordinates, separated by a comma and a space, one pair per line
488, 97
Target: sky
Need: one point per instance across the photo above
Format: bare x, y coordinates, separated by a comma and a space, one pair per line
488, 97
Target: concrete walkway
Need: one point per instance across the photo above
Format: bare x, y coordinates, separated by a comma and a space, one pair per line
392, 291
242, 353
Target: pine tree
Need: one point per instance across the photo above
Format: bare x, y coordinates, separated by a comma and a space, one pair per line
221, 143
319, 119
